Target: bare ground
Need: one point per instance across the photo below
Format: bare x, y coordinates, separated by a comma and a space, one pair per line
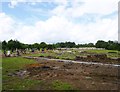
80, 76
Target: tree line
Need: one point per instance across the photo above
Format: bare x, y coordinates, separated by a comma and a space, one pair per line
15, 44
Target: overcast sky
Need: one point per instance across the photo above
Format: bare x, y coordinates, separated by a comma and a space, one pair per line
51, 21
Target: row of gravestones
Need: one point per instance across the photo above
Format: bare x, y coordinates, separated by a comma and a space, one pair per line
8, 53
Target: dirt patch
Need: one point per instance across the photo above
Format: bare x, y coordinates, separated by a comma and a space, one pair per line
20, 73
102, 58
80, 76
34, 65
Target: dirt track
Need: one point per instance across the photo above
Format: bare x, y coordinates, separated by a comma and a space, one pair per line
80, 76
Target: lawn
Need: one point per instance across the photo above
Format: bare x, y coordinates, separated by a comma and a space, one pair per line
72, 55
10, 65
58, 85
110, 53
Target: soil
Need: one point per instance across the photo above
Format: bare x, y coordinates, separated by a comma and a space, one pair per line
100, 58
80, 76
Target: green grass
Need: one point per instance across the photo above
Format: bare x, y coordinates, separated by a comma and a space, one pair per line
20, 84
10, 65
65, 55
58, 85
101, 51
110, 53
72, 56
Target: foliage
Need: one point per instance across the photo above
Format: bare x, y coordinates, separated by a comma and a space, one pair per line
4, 45
110, 45
0, 45
85, 45
65, 45
14, 44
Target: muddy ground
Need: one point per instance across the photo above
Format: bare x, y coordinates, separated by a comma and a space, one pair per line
80, 76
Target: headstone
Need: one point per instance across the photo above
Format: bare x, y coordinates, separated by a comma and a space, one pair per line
8, 53
32, 50
18, 53
5, 53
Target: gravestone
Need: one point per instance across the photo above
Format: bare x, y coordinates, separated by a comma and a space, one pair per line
8, 53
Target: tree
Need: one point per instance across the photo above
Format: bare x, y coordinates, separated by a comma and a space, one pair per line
0, 45
113, 45
14, 44
4, 45
90, 45
43, 45
70, 44
65, 45
17, 45
101, 44
50, 46
10, 45
110, 45
24, 46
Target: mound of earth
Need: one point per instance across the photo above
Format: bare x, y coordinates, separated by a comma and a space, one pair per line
80, 76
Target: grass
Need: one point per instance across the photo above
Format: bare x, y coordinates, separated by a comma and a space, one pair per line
110, 53
58, 85
101, 51
20, 84
10, 65
74, 53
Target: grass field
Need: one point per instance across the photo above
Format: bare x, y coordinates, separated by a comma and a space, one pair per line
71, 55
12, 64
110, 53
61, 85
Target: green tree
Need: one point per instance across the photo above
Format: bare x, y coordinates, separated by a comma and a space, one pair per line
0, 45
14, 44
90, 45
36, 45
101, 44
4, 45
43, 45
50, 46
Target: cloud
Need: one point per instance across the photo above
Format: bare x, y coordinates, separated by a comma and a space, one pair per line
81, 7
57, 29
14, 3
7, 25
66, 23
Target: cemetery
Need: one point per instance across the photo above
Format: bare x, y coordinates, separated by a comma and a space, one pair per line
59, 45
61, 69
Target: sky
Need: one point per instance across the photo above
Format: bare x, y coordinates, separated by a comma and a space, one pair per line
52, 21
